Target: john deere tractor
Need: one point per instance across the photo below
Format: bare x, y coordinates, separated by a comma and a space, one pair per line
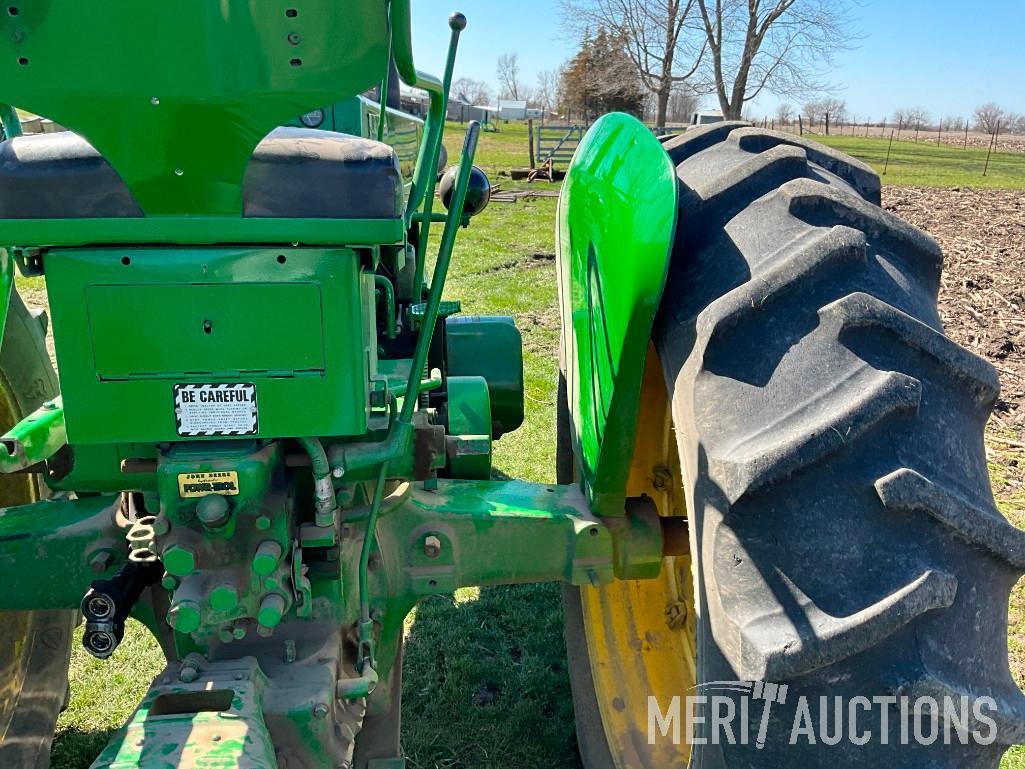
271, 436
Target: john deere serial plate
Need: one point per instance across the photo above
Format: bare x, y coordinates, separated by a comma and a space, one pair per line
216, 409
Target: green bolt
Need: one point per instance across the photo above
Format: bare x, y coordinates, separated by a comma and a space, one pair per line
184, 616
169, 582
267, 556
272, 609
224, 597
263, 523
213, 510
179, 560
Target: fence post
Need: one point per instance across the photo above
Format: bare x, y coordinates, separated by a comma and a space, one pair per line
966, 134
530, 141
827, 124
800, 125
992, 142
886, 165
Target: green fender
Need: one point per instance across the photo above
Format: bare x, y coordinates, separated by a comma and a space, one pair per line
616, 221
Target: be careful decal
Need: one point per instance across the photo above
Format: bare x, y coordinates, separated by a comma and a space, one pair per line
216, 409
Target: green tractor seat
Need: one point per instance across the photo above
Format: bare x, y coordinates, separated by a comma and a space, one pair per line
293, 173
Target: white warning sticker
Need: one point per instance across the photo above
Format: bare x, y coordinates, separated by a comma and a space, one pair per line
216, 409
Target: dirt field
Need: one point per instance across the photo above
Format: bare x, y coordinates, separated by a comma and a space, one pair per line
1005, 142
982, 299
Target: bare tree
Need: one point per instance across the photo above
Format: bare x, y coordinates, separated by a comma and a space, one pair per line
916, 118
683, 102
952, 123
988, 117
473, 92
813, 113
655, 35
785, 113
900, 119
547, 92
780, 46
509, 77
836, 109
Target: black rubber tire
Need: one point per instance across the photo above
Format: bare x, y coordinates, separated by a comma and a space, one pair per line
845, 537
39, 643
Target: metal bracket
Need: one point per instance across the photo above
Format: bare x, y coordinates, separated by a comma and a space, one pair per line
34, 439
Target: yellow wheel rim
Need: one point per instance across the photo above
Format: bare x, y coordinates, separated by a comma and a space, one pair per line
641, 635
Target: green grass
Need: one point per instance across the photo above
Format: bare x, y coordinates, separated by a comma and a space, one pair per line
497, 151
927, 164
485, 671
922, 164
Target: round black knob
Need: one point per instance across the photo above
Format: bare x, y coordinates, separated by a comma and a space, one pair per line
478, 191
457, 21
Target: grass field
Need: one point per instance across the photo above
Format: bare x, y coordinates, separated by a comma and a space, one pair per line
485, 671
911, 163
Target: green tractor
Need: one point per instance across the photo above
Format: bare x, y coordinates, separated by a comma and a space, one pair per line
272, 436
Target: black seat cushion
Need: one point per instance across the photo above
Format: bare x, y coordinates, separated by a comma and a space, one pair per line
294, 173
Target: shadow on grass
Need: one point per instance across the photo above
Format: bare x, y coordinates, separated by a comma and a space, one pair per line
485, 681
75, 748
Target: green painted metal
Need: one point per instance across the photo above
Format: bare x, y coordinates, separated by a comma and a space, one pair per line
402, 427
283, 320
211, 721
307, 543
523, 532
188, 90
34, 439
64, 535
10, 121
236, 556
616, 221
469, 427
200, 230
6, 286
489, 346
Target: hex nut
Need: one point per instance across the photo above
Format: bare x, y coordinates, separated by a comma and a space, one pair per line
432, 546
184, 616
179, 560
224, 597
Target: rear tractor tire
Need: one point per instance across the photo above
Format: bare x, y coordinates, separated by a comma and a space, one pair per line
35, 646
829, 457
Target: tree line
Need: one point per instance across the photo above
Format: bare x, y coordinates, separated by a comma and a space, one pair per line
989, 118
663, 55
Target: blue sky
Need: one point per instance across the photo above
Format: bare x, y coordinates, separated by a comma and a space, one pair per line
948, 56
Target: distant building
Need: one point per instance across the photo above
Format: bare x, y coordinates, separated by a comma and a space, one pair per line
462, 111
414, 103
705, 117
509, 110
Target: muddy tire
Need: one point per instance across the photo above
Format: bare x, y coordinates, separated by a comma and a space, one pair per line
844, 536
35, 647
